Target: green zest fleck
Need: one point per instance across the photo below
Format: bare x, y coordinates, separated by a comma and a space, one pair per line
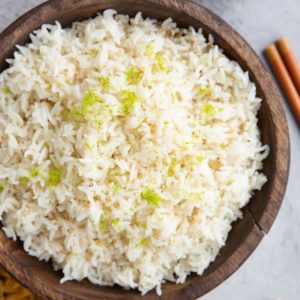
54, 177
171, 167
98, 125
173, 161
209, 110
110, 109
149, 51
166, 122
116, 224
184, 148
200, 158
90, 99
128, 99
88, 146
143, 242
151, 197
105, 82
24, 180
69, 81
203, 91
3, 185
116, 188
195, 196
160, 60
77, 111
116, 221
223, 146
5, 90
102, 224
134, 75
34, 172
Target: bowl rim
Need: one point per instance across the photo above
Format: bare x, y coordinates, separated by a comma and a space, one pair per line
261, 225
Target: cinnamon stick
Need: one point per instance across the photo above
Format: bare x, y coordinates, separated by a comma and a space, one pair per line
290, 61
284, 79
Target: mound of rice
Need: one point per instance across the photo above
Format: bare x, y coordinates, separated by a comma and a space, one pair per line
128, 147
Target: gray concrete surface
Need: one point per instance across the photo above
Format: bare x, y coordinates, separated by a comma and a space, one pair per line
273, 271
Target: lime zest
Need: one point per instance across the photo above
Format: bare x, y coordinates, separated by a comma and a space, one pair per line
116, 224
205, 91
184, 148
90, 99
54, 176
134, 75
5, 90
209, 110
105, 82
160, 61
171, 166
110, 108
116, 188
151, 197
149, 51
143, 242
115, 221
88, 146
195, 196
98, 124
4, 185
76, 111
24, 180
102, 224
128, 99
35, 172
200, 158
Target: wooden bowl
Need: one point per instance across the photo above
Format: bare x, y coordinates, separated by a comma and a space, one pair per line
259, 214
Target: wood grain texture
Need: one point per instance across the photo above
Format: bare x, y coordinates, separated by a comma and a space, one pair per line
258, 215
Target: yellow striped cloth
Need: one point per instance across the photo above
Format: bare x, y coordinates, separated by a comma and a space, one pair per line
12, 290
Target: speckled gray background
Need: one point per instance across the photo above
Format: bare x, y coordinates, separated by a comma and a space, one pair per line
273, 271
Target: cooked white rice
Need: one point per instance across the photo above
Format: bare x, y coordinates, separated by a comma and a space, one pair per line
128, 147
